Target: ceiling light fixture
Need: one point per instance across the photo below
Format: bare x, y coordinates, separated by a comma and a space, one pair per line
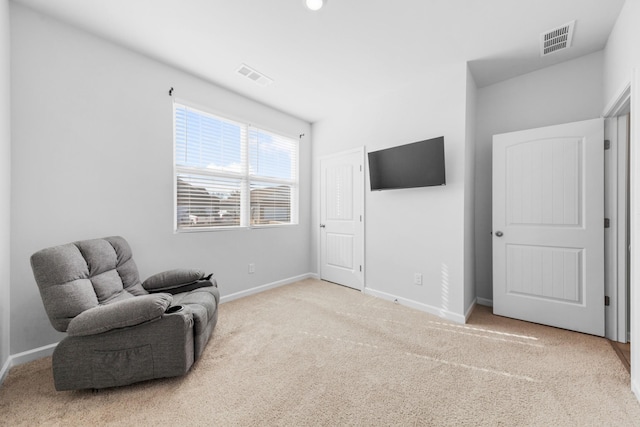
315, 4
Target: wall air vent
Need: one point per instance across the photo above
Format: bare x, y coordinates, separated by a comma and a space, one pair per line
253, 75
557, 39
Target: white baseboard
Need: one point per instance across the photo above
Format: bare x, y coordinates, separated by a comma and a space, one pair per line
445, 314
35, 354
25, 357
470, 310
484, 301
635, 387
5, 370
268, 286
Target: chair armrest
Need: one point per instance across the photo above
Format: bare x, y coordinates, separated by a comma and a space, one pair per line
176, 281
121, 314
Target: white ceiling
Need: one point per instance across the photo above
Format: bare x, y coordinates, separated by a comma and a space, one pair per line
348, 51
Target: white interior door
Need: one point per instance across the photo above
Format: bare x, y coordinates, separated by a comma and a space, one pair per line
548, 226
342, 219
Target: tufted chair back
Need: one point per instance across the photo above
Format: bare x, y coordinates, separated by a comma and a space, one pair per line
78, 276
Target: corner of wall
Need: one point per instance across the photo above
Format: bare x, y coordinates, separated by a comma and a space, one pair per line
469, 193
5, 186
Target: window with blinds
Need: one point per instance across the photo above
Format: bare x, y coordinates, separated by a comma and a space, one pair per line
231, 174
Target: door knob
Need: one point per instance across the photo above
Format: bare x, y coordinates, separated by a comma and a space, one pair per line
322, 225
499, 234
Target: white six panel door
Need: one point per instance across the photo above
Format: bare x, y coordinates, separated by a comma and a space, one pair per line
548, 226
341, 218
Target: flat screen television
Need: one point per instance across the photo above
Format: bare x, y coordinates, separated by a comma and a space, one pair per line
419, 164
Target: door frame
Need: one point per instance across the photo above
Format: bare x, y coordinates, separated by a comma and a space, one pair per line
630, 93
617, 195
634, 268
362, 229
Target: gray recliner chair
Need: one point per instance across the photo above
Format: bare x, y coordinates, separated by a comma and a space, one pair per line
121, 330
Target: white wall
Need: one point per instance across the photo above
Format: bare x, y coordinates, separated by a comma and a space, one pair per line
93, 156
621, 67
418, 230
5, 183
567, 92
621, 54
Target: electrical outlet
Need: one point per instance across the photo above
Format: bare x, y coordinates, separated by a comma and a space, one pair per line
252, 268
417, 279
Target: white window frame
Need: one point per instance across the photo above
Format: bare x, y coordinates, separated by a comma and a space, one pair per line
245, 176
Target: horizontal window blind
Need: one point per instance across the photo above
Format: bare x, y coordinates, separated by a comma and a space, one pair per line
204, 141
272, 156
208, 201
229, 174
270, 204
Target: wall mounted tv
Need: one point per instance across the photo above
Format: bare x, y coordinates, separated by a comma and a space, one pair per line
420, 164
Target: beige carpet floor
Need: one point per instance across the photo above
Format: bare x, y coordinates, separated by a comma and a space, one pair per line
314, 353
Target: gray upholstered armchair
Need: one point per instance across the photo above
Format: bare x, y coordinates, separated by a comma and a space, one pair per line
120, 330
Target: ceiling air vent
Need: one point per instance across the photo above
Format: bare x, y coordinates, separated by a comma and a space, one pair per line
253, 75
557, 39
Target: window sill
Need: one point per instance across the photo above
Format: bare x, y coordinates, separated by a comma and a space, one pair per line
232, 228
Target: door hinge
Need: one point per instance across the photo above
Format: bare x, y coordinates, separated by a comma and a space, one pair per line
607, 223
360, 268
607, 301
607, 144
360, 218
360, 168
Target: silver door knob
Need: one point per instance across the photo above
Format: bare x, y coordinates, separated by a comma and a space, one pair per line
499, 234
322, 225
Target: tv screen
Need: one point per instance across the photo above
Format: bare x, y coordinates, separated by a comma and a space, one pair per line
420, 164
